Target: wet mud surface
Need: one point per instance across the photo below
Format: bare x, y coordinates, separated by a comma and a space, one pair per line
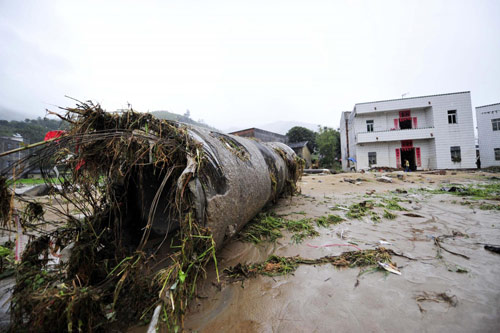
434, 293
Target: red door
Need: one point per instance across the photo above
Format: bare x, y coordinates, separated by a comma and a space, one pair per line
398, 158
417, 155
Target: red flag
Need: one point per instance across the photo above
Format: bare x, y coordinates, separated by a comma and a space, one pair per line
53, 134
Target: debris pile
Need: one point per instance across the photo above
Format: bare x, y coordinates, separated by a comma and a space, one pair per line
141, 207
276, 265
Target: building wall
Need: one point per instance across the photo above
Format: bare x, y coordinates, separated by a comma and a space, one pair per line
343, 140
386, 154
306, 155
352, 139
488, 139
266, 136
460, 134
384, 121
431, 111
6, 144
402, 103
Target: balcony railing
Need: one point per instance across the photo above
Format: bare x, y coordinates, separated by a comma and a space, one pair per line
396, 135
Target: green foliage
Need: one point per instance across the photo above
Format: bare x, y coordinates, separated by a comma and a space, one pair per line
263, 227
328, 141
268, 227
488, 206
392, 204
299, 134
388, 215
301, 229
489, 191
32, 130
325, 221
358, 210
374, 217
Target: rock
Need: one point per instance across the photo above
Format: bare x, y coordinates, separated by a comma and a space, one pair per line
384, 179
412, 215
38, 191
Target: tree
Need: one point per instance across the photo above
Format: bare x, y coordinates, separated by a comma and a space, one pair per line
328, 141
299, 134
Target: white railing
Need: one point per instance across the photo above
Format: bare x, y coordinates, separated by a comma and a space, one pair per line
396, 135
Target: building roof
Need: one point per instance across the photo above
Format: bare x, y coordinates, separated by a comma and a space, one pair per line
297, 144
243, 130
483, 106
255, 129
398, 99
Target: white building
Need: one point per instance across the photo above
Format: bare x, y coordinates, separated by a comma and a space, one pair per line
431, 132
488, 129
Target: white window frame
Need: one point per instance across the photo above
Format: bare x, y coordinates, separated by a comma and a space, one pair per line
373, 156
495, 124
497, 153
456, 154
369, 125
452, 116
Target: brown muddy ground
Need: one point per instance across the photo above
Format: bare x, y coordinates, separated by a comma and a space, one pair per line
327, 299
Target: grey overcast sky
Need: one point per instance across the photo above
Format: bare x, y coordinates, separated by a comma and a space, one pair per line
242, 63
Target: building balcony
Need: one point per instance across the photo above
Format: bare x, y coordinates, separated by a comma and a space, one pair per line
396, 135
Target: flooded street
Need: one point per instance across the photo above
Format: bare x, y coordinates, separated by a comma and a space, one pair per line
453, 288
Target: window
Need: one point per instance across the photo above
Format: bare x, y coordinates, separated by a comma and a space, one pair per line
372, 158
496, 124
497, 154
452, 116
369, 125
455, 154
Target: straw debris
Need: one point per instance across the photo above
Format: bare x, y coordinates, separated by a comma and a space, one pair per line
276, 265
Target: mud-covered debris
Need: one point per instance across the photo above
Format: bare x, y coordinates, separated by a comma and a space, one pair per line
389, 267
492, 248
276, 265
384, 179
451, 300
317, 171
38, 190
144, 203
412, 215
452, 189
438, 242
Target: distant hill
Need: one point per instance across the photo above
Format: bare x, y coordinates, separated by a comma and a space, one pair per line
180, 118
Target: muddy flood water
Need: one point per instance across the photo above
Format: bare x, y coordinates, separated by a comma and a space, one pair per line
450, 292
